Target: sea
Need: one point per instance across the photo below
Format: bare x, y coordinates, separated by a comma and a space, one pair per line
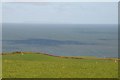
100, 40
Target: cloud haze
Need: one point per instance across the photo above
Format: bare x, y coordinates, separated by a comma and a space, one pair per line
61, 13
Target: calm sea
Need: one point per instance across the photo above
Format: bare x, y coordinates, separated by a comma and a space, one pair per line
62, 39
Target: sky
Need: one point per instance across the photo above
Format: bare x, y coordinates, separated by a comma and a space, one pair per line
60, 12
59, 0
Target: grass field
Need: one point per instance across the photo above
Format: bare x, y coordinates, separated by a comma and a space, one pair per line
44, 66
0, 66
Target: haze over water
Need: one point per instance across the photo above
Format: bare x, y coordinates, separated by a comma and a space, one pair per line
61, 28
62, 39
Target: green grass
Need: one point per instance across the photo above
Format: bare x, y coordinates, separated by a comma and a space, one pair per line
0, 66
44, 66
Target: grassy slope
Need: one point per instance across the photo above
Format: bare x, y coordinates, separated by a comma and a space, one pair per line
0, 66
44, 66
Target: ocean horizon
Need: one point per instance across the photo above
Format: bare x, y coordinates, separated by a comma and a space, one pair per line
100, 40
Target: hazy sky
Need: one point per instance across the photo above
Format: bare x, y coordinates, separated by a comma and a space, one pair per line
61, 12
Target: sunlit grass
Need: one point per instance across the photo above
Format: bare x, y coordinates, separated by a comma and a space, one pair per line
0, 66
44, 66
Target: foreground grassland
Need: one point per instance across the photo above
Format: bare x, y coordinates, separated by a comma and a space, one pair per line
44, 66
0, 66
